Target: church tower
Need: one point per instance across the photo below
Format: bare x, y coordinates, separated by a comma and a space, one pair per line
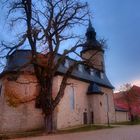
93, 50
100, 93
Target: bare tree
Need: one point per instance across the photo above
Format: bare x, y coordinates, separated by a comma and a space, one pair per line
46, 25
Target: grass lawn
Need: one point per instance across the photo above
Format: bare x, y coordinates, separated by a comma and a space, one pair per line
128, 123
21, 134
41, 132
85, 128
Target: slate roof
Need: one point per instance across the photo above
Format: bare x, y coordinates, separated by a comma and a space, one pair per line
17, 59
94, 89
21, 57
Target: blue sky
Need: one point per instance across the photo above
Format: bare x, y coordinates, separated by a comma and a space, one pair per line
118, 21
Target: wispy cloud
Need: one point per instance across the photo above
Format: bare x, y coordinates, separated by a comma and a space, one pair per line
136, 82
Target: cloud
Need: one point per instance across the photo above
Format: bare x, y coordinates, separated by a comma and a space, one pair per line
136, 82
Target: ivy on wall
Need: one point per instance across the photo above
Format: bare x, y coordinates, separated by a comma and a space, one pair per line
11, 99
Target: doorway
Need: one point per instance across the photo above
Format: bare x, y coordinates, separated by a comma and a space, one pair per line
92, 117
85, 117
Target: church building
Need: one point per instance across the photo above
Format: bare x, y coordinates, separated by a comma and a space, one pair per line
87, 100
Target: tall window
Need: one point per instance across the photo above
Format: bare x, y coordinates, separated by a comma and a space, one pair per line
71, 98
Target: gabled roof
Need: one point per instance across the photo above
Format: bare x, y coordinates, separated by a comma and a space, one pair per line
20, 58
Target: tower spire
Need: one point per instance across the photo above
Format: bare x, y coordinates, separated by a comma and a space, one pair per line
91, 42
93, 47
90, 24
90, 34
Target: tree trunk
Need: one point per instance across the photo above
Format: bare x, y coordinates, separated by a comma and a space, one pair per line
47, 104
132, 118
49, 126
131, 114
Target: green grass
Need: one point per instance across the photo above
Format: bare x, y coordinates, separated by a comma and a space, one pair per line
41, 132
21, 134
128, 123
85, 128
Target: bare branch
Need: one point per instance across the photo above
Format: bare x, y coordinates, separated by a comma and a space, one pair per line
9, 48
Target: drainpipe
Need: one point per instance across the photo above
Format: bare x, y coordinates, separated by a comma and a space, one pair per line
107, 110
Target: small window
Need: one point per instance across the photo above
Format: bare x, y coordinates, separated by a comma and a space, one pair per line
66, 64
102, 75
80, 68
87, 69
91, 72
102, 65
100, 103
98, 74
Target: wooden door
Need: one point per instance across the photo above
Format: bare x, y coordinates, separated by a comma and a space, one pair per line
85, 117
